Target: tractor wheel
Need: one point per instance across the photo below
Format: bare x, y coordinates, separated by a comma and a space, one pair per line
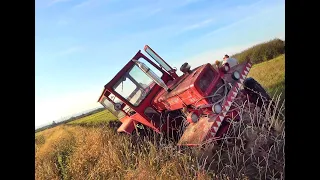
114, 125
257, 94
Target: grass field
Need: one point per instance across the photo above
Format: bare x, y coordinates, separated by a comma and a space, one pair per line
72, 151
271, 75
97, 153
95, 119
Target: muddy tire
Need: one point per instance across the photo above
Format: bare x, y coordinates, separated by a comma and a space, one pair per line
257, 94
114, 125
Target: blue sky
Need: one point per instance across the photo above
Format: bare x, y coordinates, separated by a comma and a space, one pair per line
81, 45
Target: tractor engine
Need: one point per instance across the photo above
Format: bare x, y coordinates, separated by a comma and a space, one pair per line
199, 92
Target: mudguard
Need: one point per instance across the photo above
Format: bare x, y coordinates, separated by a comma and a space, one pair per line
127, 126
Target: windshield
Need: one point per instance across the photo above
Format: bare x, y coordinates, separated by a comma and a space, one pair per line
134, 86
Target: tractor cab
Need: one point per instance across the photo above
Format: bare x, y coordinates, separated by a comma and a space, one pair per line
129, 94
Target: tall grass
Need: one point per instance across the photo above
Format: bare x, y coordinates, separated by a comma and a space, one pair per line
253, 147
256, 151
51, 156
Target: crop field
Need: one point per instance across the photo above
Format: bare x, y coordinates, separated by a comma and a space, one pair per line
87, 149
95, 119
271, 75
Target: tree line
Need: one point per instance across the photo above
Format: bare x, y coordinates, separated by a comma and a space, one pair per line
262, 52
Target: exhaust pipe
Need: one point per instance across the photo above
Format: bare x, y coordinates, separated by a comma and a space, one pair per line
151, 74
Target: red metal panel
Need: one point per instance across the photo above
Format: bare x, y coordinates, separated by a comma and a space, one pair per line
127, 126
206, 128
187, 91
190, 96
146, 121
174, 103
176, 98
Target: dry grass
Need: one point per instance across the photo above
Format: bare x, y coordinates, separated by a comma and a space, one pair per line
57, 142
74, 152
96, 153
254, 146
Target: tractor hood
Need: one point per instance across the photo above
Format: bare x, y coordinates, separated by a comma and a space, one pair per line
184, 91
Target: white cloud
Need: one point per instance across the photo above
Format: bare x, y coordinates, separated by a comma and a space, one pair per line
188, 2
242, 7
230, 25
82, 4
71, 50
198, 25
57, 1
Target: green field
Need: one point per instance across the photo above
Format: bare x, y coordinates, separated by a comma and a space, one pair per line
95, 119
271, 75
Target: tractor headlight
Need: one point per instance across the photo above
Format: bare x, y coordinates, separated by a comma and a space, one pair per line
193, 117
217, 108
236, 75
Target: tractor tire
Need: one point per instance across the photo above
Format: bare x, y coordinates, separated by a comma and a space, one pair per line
114, 125
257, 94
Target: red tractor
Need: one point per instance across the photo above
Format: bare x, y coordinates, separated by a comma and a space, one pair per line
149, 92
